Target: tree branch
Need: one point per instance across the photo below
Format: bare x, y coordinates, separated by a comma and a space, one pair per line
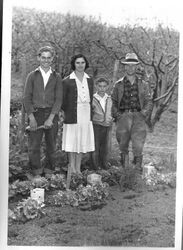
168, 91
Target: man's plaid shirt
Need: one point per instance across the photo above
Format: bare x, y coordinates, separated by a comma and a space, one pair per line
130, 98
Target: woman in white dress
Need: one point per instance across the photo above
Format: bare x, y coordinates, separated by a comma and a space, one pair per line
78, 136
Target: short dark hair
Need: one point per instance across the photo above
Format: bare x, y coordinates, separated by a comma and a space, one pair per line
46, 49
75, 57
101, 79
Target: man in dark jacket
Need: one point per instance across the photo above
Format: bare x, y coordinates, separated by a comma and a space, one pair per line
131, 105
42, 101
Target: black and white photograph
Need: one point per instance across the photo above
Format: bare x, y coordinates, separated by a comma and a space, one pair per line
91, 102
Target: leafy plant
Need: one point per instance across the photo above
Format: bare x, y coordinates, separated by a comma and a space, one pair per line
57, 181
26, 209
155, 179
89, 195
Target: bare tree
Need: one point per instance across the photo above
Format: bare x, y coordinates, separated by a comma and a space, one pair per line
157, 49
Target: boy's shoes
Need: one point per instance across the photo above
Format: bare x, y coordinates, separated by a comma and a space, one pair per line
95, 168
105, 166
65, 168
57, 169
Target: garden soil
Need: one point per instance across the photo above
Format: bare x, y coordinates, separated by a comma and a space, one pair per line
137, 218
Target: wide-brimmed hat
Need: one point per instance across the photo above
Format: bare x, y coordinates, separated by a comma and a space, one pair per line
131, 58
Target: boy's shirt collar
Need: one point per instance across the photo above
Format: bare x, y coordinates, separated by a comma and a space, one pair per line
99, 98
102, 100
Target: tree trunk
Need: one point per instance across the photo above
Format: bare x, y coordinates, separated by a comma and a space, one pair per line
116, 67
22, 125
115, 72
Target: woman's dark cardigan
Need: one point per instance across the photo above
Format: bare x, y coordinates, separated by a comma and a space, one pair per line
69, 105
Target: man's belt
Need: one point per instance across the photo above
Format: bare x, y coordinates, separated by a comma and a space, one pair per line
130, 110
42, 109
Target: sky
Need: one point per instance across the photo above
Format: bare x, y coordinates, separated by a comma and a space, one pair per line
114, 12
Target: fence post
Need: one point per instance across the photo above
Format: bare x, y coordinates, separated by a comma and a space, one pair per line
115, 71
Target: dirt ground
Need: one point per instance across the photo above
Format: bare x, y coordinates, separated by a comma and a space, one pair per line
130, 218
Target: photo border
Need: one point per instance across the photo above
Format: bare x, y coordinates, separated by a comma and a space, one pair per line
4, 142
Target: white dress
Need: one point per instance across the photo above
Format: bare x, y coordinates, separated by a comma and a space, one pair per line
79, 137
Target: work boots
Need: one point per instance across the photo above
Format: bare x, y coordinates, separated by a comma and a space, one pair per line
139, 184
124, 160
138, 164
124, 165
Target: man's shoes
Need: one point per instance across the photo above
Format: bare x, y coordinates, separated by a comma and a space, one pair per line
139, 184
48, 171
34, 173
37, 171
29, 176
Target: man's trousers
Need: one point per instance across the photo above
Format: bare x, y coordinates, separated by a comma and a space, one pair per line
131, 127
35, 139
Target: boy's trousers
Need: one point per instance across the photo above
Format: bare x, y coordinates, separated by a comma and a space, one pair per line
35, 139
99, 156
131, 126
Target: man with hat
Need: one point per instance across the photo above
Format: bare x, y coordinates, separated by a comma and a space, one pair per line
131, 105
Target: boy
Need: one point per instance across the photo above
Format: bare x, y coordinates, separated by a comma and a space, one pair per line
102, 122
42, 101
